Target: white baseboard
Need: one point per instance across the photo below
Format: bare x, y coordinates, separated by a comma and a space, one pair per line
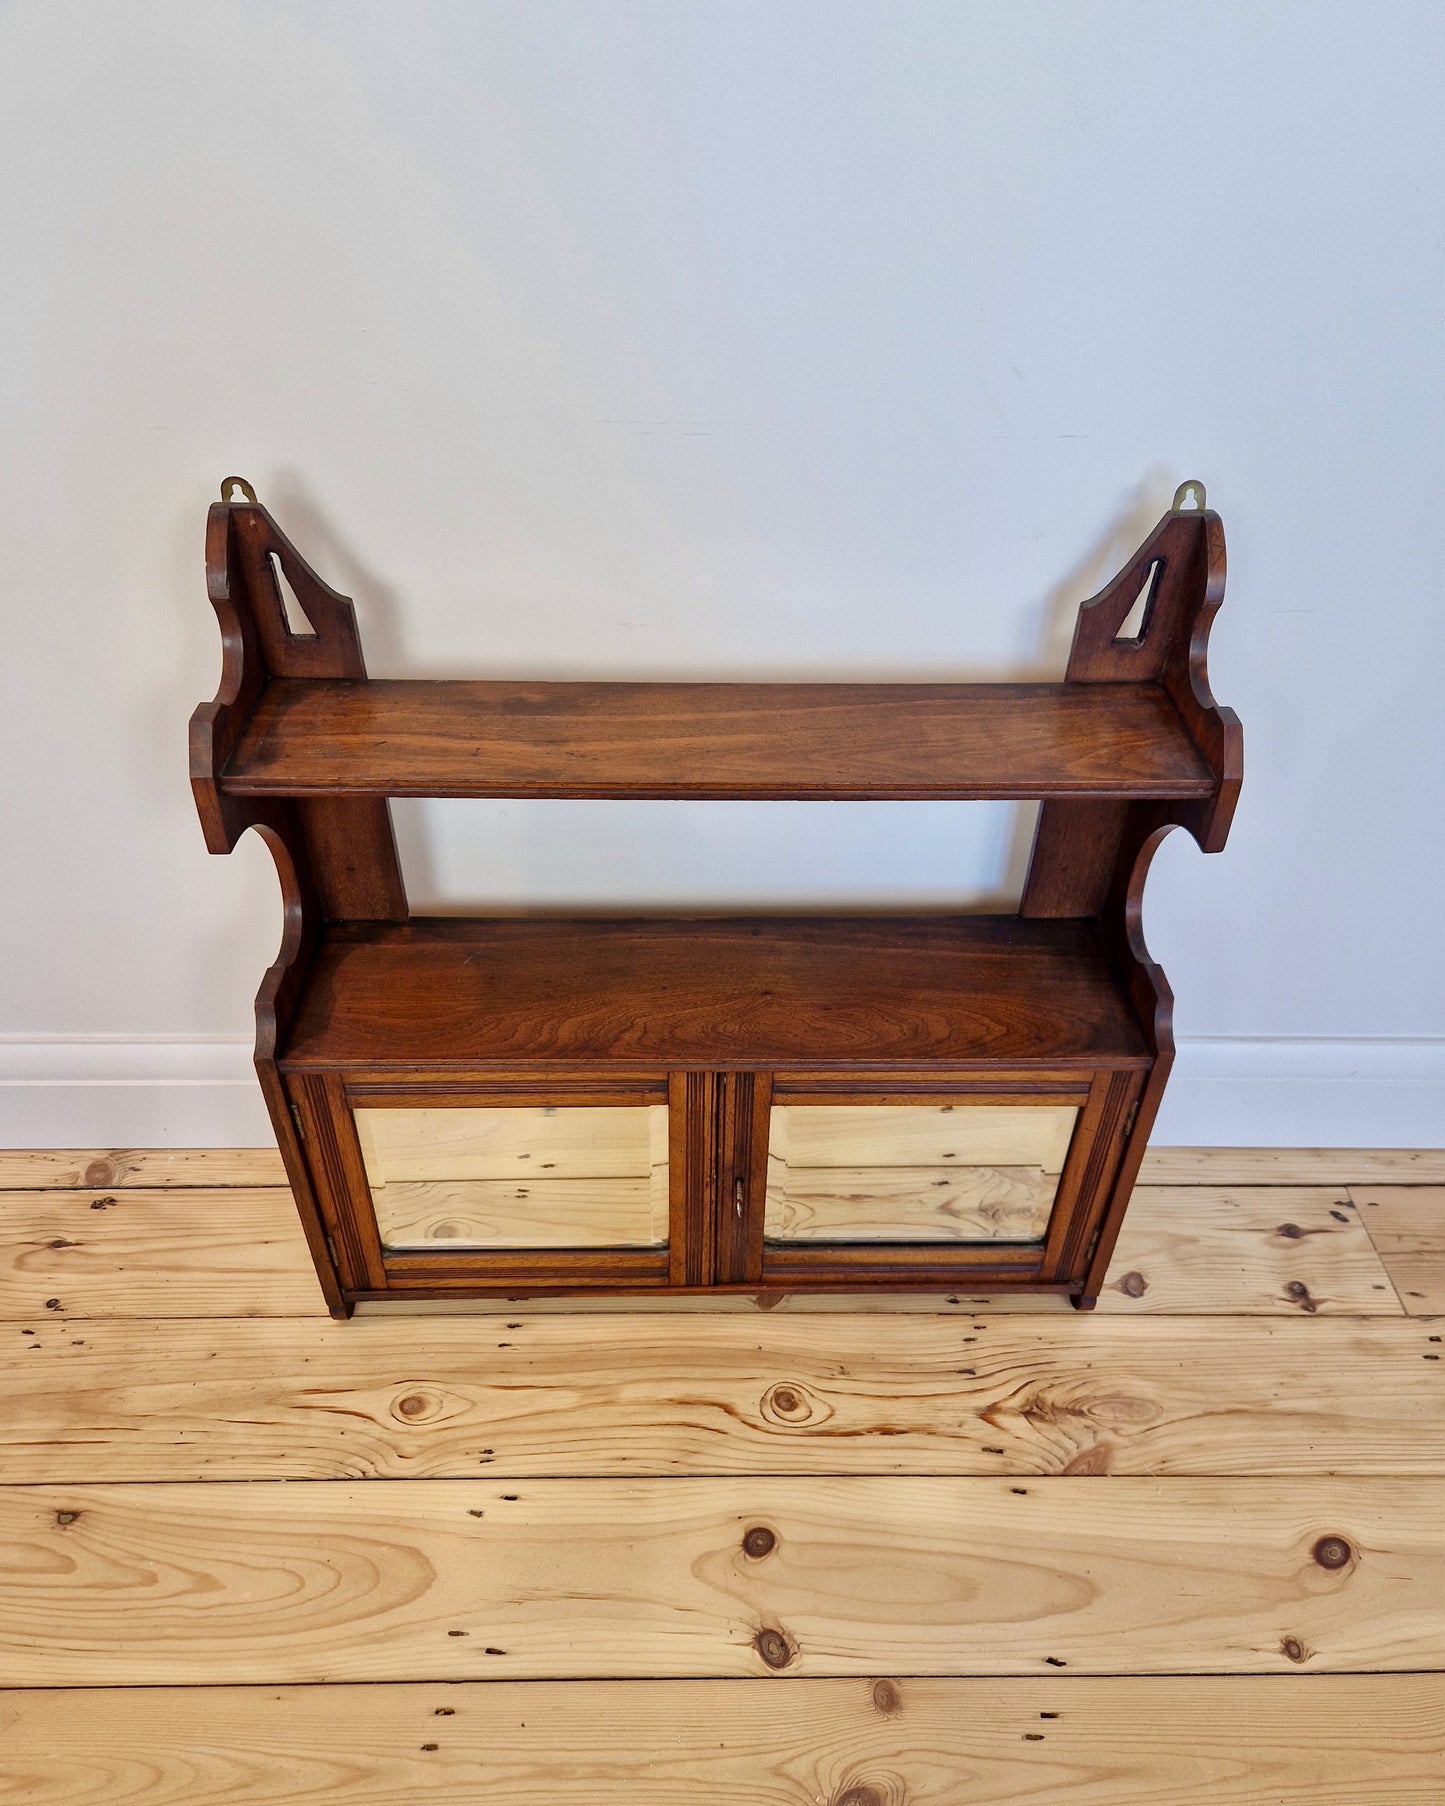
89, 1092
1269, 1092
94, 1092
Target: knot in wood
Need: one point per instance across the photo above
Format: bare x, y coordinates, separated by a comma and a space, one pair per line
860, 1795
100, 1172
412, 1405
1133, 1285
759, 1541
791, 1404
887, 1699
1333, 1552
1292, 1648
774, 1648
1095, 1460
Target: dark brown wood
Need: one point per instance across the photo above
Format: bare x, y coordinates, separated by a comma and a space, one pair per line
740, 741
1079, 844
322, 1114
718, 1016
255, 641
750, 992
743, 1259
696, 1258
739, 1195
1091, 857
346, 844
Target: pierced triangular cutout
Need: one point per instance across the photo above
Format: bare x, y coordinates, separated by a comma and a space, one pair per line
298, 623
1136, 623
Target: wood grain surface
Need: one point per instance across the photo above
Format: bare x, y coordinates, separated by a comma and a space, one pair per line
263, 1581
164, 1253
238, 1252
1406, 1223
1317, 1740
708, 740
513, 1142
953, 1491
1268, 1249
1293, 1166
499, 1213
31, 1169
748, 992
931, 1135
907, 1203
85, 1169
518, 1176
534, 1395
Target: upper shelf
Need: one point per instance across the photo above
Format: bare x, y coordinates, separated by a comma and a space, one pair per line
743, 741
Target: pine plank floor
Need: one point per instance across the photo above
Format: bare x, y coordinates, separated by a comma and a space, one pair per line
1318, 1740
1406, 1224
1191, 1547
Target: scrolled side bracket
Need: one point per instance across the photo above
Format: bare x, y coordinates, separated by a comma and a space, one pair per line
1091, 856
1085, 848
336, 856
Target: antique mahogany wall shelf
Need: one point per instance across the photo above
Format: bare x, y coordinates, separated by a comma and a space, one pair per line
745, 1104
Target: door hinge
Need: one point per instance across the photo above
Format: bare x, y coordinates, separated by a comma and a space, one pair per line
738, 1197
1129, 1118
296, 1118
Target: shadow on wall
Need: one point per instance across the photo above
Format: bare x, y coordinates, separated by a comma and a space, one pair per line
315, 536
1110, 552
306, 522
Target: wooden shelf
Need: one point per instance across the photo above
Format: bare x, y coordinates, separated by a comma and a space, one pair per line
740, 741
740, 991
867, 1028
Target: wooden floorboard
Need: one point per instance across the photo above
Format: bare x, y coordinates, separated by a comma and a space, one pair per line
1293, 1166
1018, 1556
1321, 1740
638, 1395
85, 1169
1406, 1223
547, 1579
29, 1169
155, 1253
1246, 1250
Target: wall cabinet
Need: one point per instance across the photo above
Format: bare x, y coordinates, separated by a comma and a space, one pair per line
513, 1106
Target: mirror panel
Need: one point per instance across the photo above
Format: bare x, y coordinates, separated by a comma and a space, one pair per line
914, 1172
515, 1176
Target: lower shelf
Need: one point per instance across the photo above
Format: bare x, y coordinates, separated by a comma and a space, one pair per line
483, 1107
743, 992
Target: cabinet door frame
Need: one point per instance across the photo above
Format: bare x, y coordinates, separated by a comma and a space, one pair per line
718, 1133
1102, 1099
323, 1105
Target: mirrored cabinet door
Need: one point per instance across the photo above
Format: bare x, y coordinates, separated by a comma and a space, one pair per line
511, 1176
936, 1172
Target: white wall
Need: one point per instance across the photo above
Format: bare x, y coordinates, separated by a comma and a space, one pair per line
790, 339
